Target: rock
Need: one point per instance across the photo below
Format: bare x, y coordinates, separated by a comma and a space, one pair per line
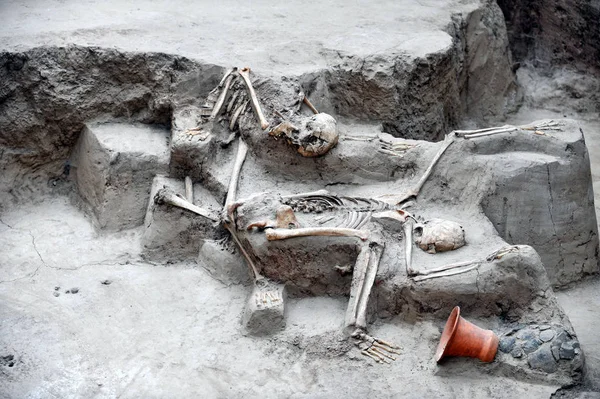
544, 327
542, 359
74, 290
106, 282
56, 294
507, 344
531, 345
114, 167
567, 351
265, 309
556, 352
546, 335
527, 334
517, 353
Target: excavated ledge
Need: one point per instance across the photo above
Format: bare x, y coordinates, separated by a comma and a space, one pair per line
110, 129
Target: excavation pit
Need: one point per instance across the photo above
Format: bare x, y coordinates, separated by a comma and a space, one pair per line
114, 170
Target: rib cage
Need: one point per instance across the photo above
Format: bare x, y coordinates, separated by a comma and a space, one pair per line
357, 210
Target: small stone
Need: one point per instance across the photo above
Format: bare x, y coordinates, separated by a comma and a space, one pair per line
67, 291
556, 352
546, 335
105, 282
56, 288
56, 293
544, 327
567, 351
542, 359
517, 353
74, 290
507, 344
577, 351
531, 345
527, 334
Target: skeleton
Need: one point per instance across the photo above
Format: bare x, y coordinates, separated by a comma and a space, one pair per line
343, 216
312, 136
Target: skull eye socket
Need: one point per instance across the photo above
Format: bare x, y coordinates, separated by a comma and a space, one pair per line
418, 231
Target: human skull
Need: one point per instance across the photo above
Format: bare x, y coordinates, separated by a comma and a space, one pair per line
318, 135
438, 235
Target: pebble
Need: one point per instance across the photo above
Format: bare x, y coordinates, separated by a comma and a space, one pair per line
517, 353
544, 327
531, 345
106, 282
507, 344
567, 351
547, 335
542, 359
56, 293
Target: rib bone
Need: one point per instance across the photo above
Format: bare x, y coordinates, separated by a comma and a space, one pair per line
283, 234
245, 74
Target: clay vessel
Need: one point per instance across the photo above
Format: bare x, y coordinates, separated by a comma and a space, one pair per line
461, 338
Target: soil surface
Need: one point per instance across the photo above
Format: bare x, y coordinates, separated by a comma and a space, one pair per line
82, 315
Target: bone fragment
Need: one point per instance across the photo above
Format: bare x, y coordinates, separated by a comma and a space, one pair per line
235, 175
306, 101
236, 114
232, 101
376, 358
408, 246
445, 274
490, 133
283, 234
167, 196
358, 285
302, 195
245, 74
221, 100
374, 258
381, 352
189, 190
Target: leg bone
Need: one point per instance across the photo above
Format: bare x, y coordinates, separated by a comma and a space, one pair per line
283, 234
166, 196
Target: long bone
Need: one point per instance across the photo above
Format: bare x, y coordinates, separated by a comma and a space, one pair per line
306, 101
221, 100
245, 74
408, 246
283, 234
466, 266
375, 250
189, 189
230, 204
471, 134
167, 196
414, 192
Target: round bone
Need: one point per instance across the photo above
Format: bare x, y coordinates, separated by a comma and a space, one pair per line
318, 135
439, 235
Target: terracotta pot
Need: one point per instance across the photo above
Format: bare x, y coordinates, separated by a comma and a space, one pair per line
461, 338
